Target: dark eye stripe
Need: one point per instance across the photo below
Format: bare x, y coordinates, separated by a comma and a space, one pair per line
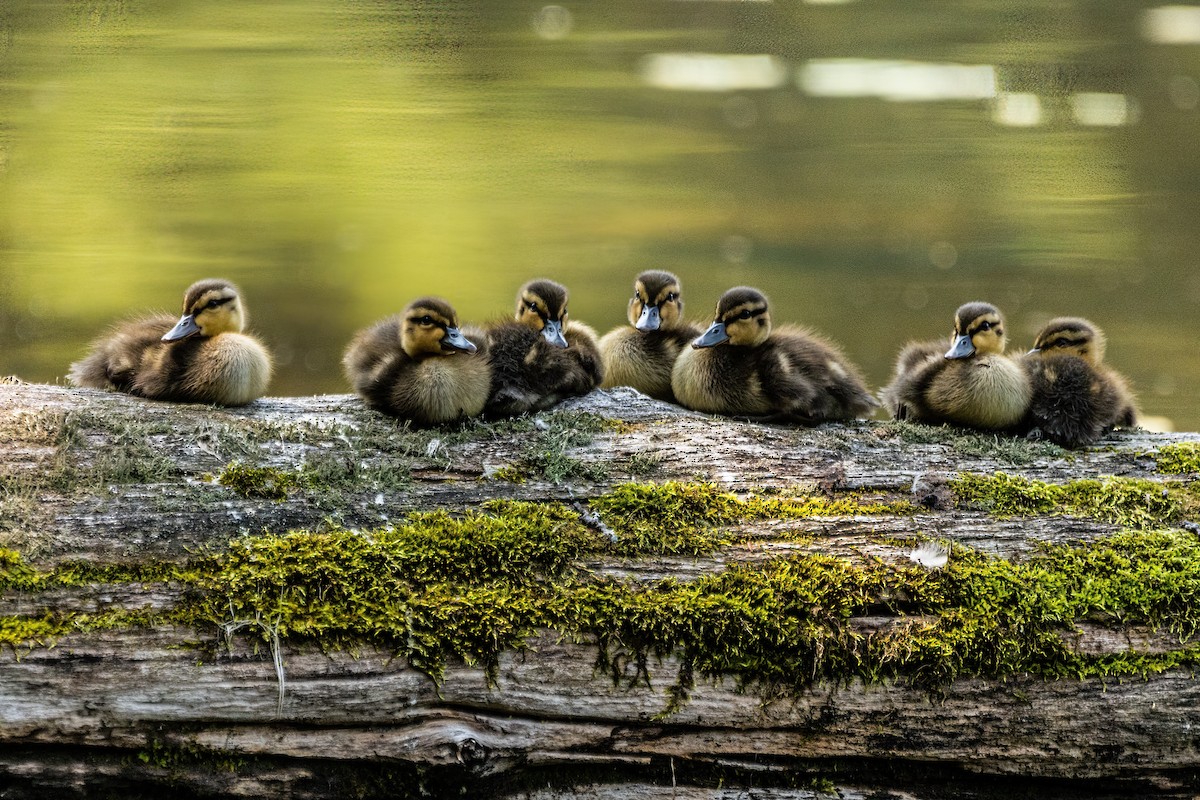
757, 312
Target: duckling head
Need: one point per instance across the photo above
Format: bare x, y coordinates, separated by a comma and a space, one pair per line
542, 305
210, 307
430, 328
742, 320
1072, 335
656, 302
978, 329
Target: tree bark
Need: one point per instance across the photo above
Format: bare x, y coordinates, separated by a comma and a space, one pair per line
99, 477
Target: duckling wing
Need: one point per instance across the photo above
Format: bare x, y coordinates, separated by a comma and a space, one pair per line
511, 351
823, 385
583, 366
372, 357
117, 356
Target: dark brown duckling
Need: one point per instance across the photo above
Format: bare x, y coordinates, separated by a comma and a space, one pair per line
1076, 397
540, 358
204, 357
740, 366
642, 356
418, 366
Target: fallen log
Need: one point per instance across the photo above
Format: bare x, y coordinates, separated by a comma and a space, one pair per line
618, 598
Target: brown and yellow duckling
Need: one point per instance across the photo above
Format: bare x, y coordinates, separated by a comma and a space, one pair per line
973, 384
740, 366
204, 357
643, 356
1076, 397
418, 366
540, 358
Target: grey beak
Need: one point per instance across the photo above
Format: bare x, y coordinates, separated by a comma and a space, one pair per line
184, 328
712, 337
553, 333
649, 320
456, 341
961, 348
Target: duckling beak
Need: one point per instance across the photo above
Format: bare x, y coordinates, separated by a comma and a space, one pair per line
650, 320
1034, 351
553, 333
183, 329
712, 337
961, 348
454, 340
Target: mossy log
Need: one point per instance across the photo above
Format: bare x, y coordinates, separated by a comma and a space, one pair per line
142, 651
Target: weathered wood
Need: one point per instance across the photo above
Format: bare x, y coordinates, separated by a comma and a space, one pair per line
86, 711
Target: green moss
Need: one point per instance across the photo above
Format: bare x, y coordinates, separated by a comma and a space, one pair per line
269, 483
471, 586
675, 518
1130, 502
1178, 459
176, 757
510, 474
15, 573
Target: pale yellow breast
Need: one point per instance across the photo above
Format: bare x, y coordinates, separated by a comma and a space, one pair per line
231, 369
988, 392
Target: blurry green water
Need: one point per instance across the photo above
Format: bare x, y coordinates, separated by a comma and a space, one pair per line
338, 157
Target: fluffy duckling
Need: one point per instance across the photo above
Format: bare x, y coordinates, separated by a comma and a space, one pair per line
417, 365
973, 384
644, 355
1076, 398
203, 358
740, 367
540, 358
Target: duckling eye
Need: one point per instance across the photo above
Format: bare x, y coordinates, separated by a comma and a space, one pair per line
426, 320
672, 297
745, 314
985, 326
212, 304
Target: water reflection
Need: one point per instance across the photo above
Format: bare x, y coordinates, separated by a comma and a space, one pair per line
339, 158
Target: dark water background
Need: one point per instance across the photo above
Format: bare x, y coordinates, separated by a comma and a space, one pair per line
870, 165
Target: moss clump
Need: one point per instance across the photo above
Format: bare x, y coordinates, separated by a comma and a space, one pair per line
1131, 502
268, 483
15, 573
676, 518
1178, 459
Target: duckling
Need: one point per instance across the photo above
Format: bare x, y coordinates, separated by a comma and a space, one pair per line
1076, 398
973, 384
643, 356
203, 358
417, 365
540, 358
740, 367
